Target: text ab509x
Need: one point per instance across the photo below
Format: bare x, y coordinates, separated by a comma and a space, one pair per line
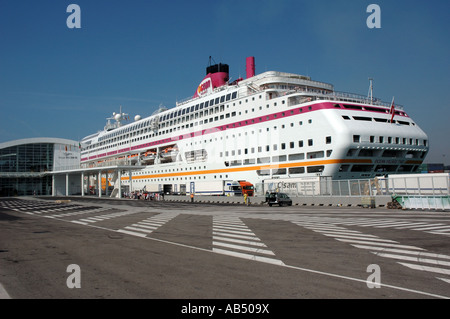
238, 308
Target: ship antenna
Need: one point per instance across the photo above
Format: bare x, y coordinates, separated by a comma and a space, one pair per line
371, 90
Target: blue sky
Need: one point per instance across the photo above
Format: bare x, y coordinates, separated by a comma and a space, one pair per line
61, 82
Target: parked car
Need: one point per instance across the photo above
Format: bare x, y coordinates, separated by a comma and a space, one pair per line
281, 199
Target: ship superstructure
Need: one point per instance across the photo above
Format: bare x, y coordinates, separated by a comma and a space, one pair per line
270, 125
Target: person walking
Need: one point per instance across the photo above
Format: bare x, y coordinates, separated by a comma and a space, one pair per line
192, 197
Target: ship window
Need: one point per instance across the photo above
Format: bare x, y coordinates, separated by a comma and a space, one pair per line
249, 161
319, 154
366, 153
228, 97
234, 95
279, 171
362, 118
217, 101
310, 142
328, 139
281, 158
345, 117
297, 170
296, 157
356, 138
315, 169
263, 160
291, 144
352, 152
222, 99
264, 172
353, 107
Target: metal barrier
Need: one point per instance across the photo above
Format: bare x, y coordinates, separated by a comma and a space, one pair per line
325, 187
414, 191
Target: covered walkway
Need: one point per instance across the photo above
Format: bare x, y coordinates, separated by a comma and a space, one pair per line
77, 181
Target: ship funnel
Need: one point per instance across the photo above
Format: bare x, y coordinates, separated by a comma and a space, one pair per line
250, 67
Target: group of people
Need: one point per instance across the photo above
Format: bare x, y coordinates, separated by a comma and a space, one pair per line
145, 195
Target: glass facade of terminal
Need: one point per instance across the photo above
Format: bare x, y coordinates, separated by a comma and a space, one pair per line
27, 158
22, 168
25, 166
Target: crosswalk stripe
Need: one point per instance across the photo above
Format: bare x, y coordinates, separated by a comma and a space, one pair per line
139, 229
415, 259
426, 268
245, 242
249, 256
234, 235
149, 225
131, 233
245, 248
231, 236
380, 244
403, 251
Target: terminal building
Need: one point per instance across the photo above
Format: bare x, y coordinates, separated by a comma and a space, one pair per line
51, 167
27, 165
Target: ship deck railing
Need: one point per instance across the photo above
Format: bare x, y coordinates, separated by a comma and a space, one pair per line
314, 93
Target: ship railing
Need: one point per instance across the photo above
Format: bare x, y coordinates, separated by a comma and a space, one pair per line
316, 94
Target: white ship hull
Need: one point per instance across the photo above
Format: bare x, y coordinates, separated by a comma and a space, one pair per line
273, 125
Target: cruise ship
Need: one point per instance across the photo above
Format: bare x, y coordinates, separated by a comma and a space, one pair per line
273, 125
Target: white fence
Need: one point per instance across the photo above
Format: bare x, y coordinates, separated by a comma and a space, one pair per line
413, 191
325, 187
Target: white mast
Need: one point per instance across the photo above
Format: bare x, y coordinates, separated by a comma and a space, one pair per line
371, 90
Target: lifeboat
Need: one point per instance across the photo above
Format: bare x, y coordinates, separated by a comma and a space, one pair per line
148, 156
169, 152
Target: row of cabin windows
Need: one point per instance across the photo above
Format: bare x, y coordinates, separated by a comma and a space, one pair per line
379, 120
173, 179
144, 127
291, 171
279, 158
391, 140
166, 121
108, 139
